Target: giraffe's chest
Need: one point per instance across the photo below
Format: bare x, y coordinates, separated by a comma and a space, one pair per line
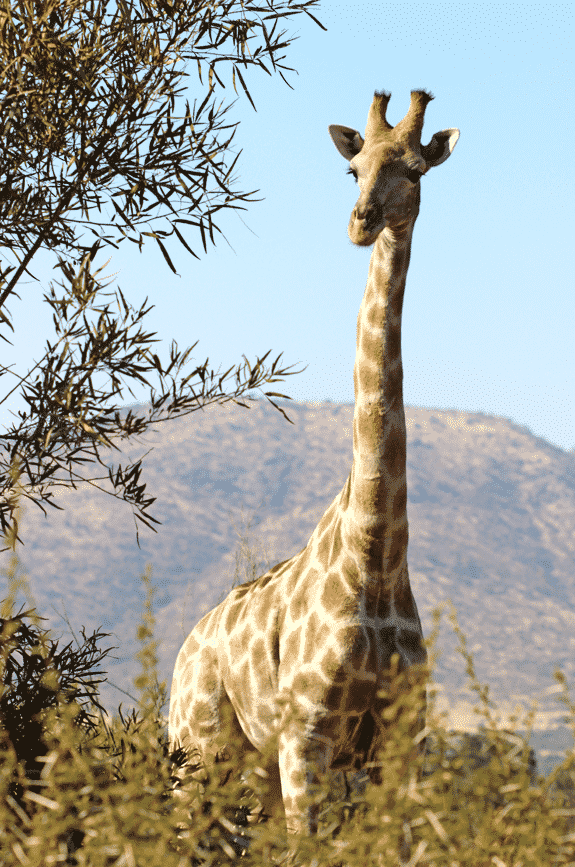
330, 659
341, 661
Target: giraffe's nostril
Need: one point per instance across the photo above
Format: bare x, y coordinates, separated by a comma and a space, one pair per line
370, 214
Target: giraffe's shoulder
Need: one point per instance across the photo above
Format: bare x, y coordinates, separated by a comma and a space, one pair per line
255, 600
252, 590
271, 575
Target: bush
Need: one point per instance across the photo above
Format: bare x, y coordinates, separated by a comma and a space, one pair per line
80, 787
36, 676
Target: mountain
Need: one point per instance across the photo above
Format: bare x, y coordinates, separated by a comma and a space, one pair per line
492, 527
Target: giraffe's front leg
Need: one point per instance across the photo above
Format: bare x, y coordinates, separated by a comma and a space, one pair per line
304, 759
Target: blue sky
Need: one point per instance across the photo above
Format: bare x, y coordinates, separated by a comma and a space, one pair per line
489, 308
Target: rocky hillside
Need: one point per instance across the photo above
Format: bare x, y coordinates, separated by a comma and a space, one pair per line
492, 527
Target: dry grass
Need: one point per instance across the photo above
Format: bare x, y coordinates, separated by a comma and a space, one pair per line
103, 794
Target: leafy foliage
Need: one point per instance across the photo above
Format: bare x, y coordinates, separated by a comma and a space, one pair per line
109, 793
473, 800
38, 676
88, 100
74, 413
89, 95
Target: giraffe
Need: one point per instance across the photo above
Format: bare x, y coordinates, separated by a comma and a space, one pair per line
322, 628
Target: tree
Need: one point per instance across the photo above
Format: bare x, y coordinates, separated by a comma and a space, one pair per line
87, 109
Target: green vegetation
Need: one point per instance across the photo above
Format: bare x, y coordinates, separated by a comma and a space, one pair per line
96, 119
78, 786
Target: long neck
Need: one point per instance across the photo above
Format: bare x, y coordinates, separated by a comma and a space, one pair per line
376, 515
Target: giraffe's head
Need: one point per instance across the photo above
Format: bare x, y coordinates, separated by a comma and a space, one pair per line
388, 164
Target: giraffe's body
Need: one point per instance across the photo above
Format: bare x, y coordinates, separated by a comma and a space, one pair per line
320, 629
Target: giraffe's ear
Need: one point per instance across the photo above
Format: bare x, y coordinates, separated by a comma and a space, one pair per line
440, 147
348, 141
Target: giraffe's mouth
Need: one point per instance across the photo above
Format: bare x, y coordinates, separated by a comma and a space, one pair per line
361, 235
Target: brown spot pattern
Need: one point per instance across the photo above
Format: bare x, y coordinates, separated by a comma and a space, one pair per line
384, 604
392, 344
300, 602
336, 545
201, 712
372, 656
298, 569
395, 453
291, 650
191, 646
332, 667
344, 498
323, 548
263, 608
311, 646
326, 520
232, 616
244, 679
259, 659
399, 503
361, 696
333, 593
404, 602
396, 550
267, 577
411, 641
333, 697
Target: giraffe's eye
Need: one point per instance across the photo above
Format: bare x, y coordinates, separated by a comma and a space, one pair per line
414, 175
352, 171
